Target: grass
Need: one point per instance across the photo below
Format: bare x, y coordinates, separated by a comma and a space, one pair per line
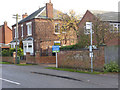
73, 70
5, 63
16, 64
23, 64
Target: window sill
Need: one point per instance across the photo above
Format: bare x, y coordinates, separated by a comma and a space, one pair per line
29, 35
56, 33
63, 32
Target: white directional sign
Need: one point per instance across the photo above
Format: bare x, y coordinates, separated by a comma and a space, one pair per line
88, 25
91, 54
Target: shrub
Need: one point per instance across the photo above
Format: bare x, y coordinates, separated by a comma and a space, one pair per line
111, 67
11, 50
71, 47
5, 53
20, 52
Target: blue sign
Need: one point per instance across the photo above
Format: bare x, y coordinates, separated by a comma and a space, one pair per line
55, 49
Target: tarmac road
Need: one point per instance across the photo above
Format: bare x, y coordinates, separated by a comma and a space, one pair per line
38, 77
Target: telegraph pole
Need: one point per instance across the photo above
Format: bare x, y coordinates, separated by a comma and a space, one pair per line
16, 17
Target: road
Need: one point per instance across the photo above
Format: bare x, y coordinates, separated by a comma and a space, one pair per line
25, 77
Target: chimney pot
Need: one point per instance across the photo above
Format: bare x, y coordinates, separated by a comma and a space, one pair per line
24, 15
5, 23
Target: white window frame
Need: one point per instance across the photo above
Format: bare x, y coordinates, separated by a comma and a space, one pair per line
21, 30
114, 25
27, 43
58, 28
29, 33
14, 44
16, 35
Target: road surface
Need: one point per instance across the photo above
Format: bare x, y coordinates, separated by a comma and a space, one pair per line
26, 77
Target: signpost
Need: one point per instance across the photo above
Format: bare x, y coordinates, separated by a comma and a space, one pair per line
89, 27
56, 49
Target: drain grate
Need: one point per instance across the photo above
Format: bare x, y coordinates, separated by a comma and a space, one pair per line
65, 77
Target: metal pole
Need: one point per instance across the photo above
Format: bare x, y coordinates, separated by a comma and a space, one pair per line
91, 52
56, 61
16, 36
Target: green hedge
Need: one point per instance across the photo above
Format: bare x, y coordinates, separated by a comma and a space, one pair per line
71, 47
10, 52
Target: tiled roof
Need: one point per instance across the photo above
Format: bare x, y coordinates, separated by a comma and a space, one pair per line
41, 13
105, 15
33, 15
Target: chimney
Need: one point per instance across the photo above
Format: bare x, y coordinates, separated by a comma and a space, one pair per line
5, 32
24, 15
5, 23
49, 9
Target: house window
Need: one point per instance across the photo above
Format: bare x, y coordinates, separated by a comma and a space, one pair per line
29, 28
57, 28
16, 33
114, 27
21, 30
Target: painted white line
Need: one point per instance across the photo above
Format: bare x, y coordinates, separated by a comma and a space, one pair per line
10, 81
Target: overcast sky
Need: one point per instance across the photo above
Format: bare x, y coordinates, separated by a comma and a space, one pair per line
10, 7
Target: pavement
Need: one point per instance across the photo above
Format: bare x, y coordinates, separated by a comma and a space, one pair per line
56, 78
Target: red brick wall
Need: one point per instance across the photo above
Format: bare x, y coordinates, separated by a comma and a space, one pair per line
40, 60
44, 31
5, 34
24, 30
114, 41
43, 34
81, 60
7, 59
8, 35
2, 35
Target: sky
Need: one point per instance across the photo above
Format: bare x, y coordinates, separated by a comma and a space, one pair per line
10, 7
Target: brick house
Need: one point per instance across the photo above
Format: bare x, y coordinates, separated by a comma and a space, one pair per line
111, 18
40, 30
5, 34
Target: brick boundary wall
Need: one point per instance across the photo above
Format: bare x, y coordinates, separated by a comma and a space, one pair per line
32, 59
80, 59
8, 59
40, 59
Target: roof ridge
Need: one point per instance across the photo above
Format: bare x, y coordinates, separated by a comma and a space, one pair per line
31, 16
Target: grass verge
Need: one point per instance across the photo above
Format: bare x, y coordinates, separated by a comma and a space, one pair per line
5, 63
23, 64
73, 70
16, 64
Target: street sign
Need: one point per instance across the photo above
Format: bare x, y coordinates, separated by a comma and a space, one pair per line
57, 43
55, 49
90, 48
88, 25
91, 54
